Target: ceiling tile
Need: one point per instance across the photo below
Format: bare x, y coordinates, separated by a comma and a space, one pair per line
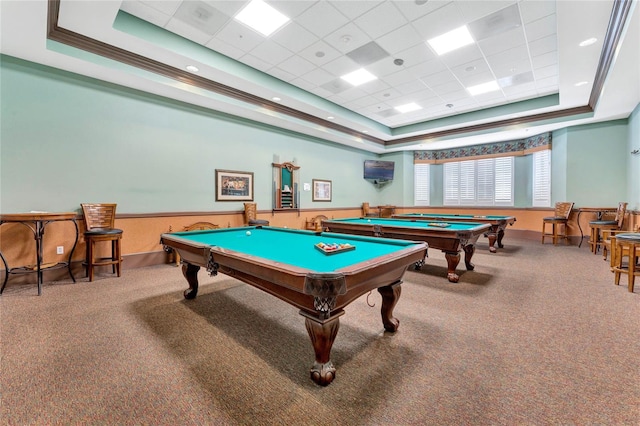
321, 53
294, 37
352, 9
532, 10
381, 20
167, 7
322, 19
239, 36
541, 28
271, 52
146, 12
202, 16
439, 21
347, 38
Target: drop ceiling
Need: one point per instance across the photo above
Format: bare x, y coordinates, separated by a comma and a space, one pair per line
291, 79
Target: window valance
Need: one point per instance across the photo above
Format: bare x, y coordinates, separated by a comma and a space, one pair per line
496, 149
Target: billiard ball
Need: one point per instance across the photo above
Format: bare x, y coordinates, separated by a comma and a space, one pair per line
248, 233
368, 220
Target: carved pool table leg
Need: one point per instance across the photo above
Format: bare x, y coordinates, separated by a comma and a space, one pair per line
190, 272
452, 263
500, 235
322, 334
492, 241
390, 295
469, 249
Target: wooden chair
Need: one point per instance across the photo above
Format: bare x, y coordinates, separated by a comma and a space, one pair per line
625, 245
198, 226
560, 217
598, 226
387, 211
315, 224
99, 220
250, 211
366, 210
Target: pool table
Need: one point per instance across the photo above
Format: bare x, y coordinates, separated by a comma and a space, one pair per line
290, 265
495, 233
448, 237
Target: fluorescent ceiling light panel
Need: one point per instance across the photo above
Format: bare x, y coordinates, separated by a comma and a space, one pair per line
261, 17
451, 41
479, 89
359, 77
408, 107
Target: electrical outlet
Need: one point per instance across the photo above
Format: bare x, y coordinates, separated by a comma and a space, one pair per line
60, 250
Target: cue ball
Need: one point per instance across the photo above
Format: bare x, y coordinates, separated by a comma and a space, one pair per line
248, 233
368, 220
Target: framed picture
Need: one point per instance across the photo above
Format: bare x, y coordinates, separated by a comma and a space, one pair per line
232, 185
321, 190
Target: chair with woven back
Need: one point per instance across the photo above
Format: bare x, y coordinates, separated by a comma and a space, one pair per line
560, 217
601, 229
99, 221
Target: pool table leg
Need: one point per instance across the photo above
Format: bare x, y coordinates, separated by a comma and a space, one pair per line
492, 241
190, 272
453, 258
469, 249
323, 334
390, 295
500, 235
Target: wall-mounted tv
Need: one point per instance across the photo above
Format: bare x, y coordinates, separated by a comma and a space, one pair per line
379, 171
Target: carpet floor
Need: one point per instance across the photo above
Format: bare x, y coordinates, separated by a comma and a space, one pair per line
535, 335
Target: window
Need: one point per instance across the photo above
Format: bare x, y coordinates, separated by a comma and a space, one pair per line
485, 182
542, 178
421, 184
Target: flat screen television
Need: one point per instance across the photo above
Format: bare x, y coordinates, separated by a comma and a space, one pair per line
379, 171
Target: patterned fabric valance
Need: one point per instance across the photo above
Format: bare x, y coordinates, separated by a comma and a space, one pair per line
497, 149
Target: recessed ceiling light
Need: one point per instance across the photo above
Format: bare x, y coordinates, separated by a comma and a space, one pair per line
449, 105
451, 41
365, 131
261, 17
398, 61
581, 83
588, 42
408, 107
191, 68
276, 99
479, 89
359, 77
330, 117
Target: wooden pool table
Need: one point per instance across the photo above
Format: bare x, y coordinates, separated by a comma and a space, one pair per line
448, 237
495, 233
289, 265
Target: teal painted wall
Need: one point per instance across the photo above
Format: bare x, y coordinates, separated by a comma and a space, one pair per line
559, 169
67, 139
633, 160
596, 164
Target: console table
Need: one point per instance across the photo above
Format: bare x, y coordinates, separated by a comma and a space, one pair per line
37, 222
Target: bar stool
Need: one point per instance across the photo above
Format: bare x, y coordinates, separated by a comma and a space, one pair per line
99, 219
250, 211
625, 245
597, 226
560, 217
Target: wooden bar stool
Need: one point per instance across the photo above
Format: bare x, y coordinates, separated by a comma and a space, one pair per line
598, 226
626, 245
560, 217
99, 219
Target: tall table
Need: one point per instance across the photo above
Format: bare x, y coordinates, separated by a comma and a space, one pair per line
599, 211
37, 222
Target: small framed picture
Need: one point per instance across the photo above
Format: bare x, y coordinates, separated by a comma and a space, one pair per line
232, 185
321, 190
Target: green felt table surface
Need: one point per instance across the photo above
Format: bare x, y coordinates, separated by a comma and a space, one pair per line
296, 247
456, 216
408, 223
